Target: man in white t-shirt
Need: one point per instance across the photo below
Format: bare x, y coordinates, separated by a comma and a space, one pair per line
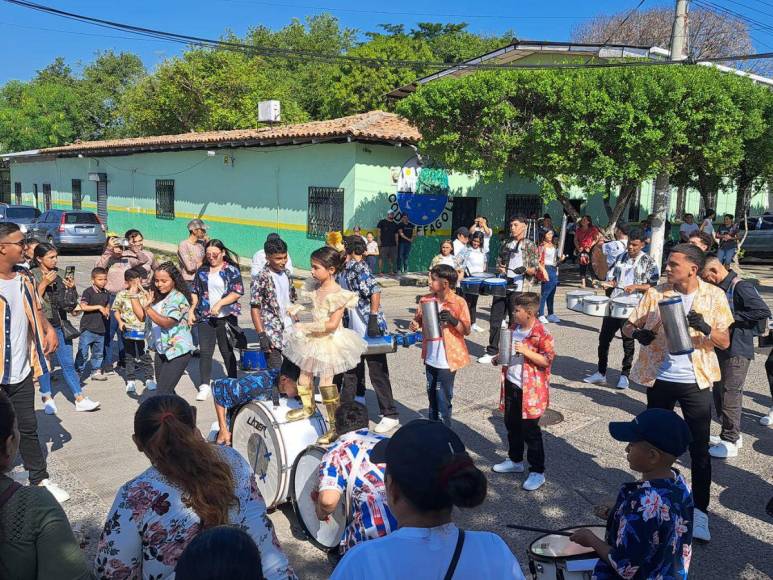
461, 238
687, 228
259, 259
617, 247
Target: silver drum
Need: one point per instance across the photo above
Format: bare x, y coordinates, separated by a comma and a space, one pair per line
595, 306
574, 299
623, 306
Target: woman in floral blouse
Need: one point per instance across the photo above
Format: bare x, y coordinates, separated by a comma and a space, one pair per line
167, 307
190, 486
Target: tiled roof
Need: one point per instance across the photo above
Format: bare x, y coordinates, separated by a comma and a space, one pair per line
372, 126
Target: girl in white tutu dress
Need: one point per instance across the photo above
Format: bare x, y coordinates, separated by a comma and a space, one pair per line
323, 348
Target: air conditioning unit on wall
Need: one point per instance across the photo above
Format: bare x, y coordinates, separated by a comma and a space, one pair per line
269, 112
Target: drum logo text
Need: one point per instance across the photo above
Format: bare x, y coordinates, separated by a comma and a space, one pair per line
255, 424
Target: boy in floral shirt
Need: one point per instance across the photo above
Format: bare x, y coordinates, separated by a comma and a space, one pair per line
649, 530
133, 332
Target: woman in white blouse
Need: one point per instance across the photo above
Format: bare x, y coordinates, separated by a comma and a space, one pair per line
549, 259
474, 263
190, 486
708, 222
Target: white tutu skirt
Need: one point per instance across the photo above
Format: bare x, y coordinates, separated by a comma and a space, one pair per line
325, 356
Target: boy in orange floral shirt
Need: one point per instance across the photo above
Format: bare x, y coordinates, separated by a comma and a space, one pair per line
526, 381
442, 358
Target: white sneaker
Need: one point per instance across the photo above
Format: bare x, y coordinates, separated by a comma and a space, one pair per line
724, 450
700, 526
595, 379
553, 318
543, 319
509, 466
204, 392
131, 387
534, 481
359, 399
150, 385
49, 406
386, 425
86, 405
767, 420
476, 328
716, 440
98, 376
622, 383
486, 359
59, 494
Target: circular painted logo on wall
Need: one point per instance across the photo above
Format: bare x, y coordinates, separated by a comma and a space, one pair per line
422, 193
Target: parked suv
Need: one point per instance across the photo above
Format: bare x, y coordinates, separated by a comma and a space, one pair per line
69, 229
22, 215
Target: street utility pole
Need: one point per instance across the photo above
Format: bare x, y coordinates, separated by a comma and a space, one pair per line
662, 196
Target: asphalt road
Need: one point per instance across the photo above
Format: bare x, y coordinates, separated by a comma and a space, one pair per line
92, 454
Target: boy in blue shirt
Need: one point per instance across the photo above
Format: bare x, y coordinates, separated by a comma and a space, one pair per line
649, 529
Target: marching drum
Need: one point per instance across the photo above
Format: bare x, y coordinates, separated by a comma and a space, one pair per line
595, 306
380, 344
554, 557
252, 358
471, 285
623, 306
574, 299
305, 480
262, 435
134, 334
494, 287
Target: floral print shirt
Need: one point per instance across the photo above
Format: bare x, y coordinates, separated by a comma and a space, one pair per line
123, 306
530, 256
649, 531
151, 524
232, 280
370, 516
263, 294
177, 340
711, 302
356, 277
457, 354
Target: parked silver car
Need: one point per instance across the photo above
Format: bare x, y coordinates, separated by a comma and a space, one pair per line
23, 215
69, 229
759, 241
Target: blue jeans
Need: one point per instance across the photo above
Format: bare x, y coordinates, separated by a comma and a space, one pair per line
440, 390
372, 262
403, 251
95, 342
548, 292
64, 354
112, 331
726, 255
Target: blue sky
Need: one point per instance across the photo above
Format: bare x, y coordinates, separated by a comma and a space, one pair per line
30, 40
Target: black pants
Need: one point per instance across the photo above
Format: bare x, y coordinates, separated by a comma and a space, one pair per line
472, 304
522, 432
609, 328
696, 408
728, 395
500, 305
22, 396
276, 360
213, 330
378, 370
769, 371
169, 372
137, 359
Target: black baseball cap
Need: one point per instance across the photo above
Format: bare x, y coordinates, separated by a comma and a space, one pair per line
463, 231
418, 451
661, 428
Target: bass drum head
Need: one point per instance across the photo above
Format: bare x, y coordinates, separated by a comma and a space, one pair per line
304, 480
599, 261
552, 547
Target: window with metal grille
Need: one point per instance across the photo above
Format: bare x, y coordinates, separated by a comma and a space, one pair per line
523, 205
326, 211
76, 194
17, 192
165, 199
47, 195
5, 186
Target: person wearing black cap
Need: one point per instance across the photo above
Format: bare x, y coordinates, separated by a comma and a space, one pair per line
428, 472
649, 530
461, 239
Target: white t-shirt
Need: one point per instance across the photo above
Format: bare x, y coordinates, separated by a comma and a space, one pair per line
476, 261
516, 261
372, 248
259, 261
550, 255
425, 553
216, 289
687, 229
11, 291
448, 261
458, 246
678, 368
282, 285
515, 369
708, 227
436, 354
612, 250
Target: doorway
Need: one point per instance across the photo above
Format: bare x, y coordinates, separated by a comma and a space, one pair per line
102, 202
464, 212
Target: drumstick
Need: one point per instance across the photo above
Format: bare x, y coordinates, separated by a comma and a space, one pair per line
541, 530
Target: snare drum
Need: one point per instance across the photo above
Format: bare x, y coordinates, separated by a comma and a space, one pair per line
471, 285
595, 306
494, 287
552, 557
574, 299
305, 480
624, 305
380, 344
130, 334
262, 435
252, 358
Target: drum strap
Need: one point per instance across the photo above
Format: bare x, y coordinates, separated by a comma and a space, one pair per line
455, 558
358, 459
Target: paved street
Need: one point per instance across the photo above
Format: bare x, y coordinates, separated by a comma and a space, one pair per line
92, 454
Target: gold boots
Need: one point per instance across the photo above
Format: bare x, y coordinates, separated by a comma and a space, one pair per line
330, 398
306, 392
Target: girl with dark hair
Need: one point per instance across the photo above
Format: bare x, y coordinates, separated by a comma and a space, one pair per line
167, 306
190, 486
549, 259
707, 225
324, 348
36, 540
58, 297
216, 289
428, 472
474, 263
220, 552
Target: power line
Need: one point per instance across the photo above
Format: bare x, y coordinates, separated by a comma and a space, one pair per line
620, 25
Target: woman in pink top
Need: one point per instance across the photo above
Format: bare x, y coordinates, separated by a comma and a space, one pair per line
585, 237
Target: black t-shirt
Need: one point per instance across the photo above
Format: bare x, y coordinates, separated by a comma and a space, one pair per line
94, 321
387, 230
407, 230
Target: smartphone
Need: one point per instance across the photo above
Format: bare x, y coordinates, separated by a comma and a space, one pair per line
69, 272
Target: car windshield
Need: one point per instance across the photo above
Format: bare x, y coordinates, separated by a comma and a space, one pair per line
80, 218
21, 213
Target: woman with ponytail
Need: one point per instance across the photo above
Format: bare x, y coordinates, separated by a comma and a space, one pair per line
428, 472
190, 486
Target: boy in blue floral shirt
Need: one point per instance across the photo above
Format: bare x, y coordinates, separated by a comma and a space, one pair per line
649, 530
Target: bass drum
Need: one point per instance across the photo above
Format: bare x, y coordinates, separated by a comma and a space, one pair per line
599, 261
262, 435
554, 557
305, 480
